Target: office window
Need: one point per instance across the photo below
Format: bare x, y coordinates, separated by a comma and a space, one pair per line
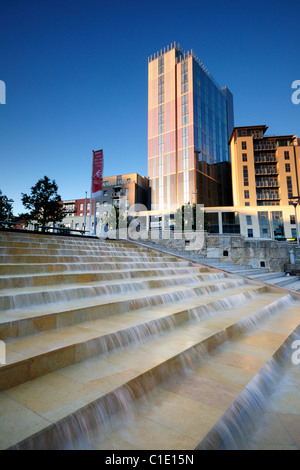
287, 167
287, 155
292, 220
244, 145
245, 159
247, 204
247, 195
249, 219
250, 232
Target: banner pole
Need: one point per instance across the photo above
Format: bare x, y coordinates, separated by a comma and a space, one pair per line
90, 220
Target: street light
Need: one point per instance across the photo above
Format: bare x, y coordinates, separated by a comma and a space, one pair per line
10, 201
295, 202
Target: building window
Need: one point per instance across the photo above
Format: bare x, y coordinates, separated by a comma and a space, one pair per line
247, 195
104, 193
126, 191
185, 110
160, 144
128, 180
184, 77
287, 167
245, 159
245, 174
81, 207
250, 232
185, 137
247, 204
249, 219
287, 155
289, 186
160, 65
161, 89
161, 119
292, 220
244, 145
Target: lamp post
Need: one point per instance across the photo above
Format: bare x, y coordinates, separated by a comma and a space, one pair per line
9, 201
295, 202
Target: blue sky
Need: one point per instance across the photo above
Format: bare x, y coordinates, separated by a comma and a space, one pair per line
76, 78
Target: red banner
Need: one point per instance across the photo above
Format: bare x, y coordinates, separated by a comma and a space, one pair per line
97, 173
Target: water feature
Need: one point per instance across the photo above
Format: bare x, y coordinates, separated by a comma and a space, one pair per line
112, 346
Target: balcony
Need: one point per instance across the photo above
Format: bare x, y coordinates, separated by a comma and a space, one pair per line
266, 171
264, 147
268, 196
265, 159
267, 184
117, 194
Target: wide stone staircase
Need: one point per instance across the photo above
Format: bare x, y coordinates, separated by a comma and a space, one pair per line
279, 279
110, 345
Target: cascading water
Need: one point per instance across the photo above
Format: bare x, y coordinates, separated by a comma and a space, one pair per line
133, 334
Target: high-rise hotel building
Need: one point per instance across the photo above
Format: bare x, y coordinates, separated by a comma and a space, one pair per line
190, 120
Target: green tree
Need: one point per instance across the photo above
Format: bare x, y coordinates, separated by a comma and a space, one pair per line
5, 208
44, 203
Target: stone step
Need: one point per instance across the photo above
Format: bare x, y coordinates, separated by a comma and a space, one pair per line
33, 356
12, 299
249, 272
265, 277
52, 258
17, 323
283, 281
64, 267
64, 244
147, 373
31, 280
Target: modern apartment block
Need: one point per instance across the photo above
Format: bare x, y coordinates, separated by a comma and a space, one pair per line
265, 176
190, 119
125, 190
265, 169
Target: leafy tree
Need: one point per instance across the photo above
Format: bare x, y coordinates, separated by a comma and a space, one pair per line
44, 203
114, 219
5, 208
187, 217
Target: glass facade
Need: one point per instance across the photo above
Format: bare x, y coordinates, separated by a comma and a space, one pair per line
188, 133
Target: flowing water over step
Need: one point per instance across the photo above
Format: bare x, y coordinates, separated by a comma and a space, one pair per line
113, 346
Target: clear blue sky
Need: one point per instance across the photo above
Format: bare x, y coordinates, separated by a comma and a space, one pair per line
76, 78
